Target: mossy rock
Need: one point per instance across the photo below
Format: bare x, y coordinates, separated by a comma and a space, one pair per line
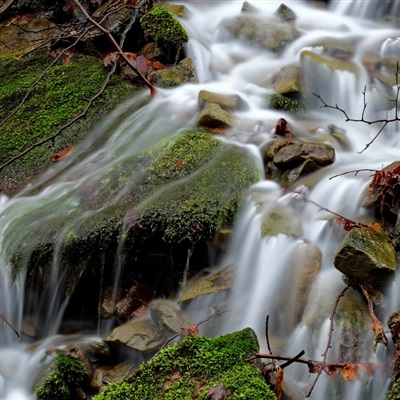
287, 104
68, 375
60, 95
161, 25
191, 368
189, 185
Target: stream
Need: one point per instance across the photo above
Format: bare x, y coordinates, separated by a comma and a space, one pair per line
265, 281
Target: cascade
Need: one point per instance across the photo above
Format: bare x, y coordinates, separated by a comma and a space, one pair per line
265, 281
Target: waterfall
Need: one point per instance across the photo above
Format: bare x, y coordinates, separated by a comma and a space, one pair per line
266, 281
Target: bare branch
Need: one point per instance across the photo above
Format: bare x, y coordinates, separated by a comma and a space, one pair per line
328, 344
116, 45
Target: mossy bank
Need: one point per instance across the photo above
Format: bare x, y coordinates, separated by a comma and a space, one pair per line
190, 369
36, 104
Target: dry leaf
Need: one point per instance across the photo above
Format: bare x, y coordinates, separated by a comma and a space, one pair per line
348, 373
279, 382
217, 393
61, 154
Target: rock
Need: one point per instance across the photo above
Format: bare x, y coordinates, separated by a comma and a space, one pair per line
213, 116
306, 267
330, 62
288, 80
218, 281
295, 153
366, 256
229, 102
168, 315
290, 176
109, 300
127, 305
221, 239
174, 76
119, 372
152, 52
281, 219
248, 7
285, 13
178, 9
271, 33
137, 335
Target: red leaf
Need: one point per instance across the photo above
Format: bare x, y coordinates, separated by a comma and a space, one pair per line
141, 63
179, 164
61, 154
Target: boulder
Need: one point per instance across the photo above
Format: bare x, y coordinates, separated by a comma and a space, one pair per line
271, 33
366, 256
168, 315
228, 102
136, 335
281, 219
214, 116
219, 281
174, 76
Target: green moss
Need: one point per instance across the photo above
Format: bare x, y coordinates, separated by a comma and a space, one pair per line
394, 392
189, 369
55, 99
161, 25
193, 208
283, 103
70, 374
53, 388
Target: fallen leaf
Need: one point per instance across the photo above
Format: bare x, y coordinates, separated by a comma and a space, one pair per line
61, 154
279, 383
179, 164
192, 330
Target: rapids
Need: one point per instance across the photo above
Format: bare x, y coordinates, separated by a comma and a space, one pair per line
264, 265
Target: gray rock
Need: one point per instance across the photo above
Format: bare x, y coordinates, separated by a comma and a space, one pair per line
168, 315
366, 256
137, 335
296, 153
219, 281
214, 116
281, 219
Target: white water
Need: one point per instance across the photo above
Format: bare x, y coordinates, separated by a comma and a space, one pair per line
264, 265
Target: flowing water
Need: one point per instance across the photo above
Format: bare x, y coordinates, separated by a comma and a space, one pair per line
265, 279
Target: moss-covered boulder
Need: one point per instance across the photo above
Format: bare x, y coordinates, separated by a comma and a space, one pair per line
171, 199
366, 256
34, 107
67, 376
192, 368
161, 25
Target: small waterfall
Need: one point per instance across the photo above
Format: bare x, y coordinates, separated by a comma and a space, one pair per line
332, 52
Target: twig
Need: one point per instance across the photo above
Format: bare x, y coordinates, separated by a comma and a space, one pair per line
355, 172
385, 122
5, 6
7, 323
116, 45
379, 333
328, 344
267, 340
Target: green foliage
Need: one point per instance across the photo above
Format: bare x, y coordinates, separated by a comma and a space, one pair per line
54, 387
189, 369
55, 99
161, 25
70, 374
287, 104
213, 176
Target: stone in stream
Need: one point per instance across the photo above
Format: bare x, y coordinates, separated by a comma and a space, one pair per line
218, 281
138, 335
214, 116
168, 315
366, 256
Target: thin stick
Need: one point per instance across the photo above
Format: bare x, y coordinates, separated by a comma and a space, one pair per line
116, 45
7, 323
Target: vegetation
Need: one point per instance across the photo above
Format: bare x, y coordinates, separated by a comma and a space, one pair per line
284, 103
162, 26
60, 385
195, 366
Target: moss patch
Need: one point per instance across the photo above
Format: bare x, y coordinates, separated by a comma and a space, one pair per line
284, 103
69, 374
161, 25
189, 369
58, 97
